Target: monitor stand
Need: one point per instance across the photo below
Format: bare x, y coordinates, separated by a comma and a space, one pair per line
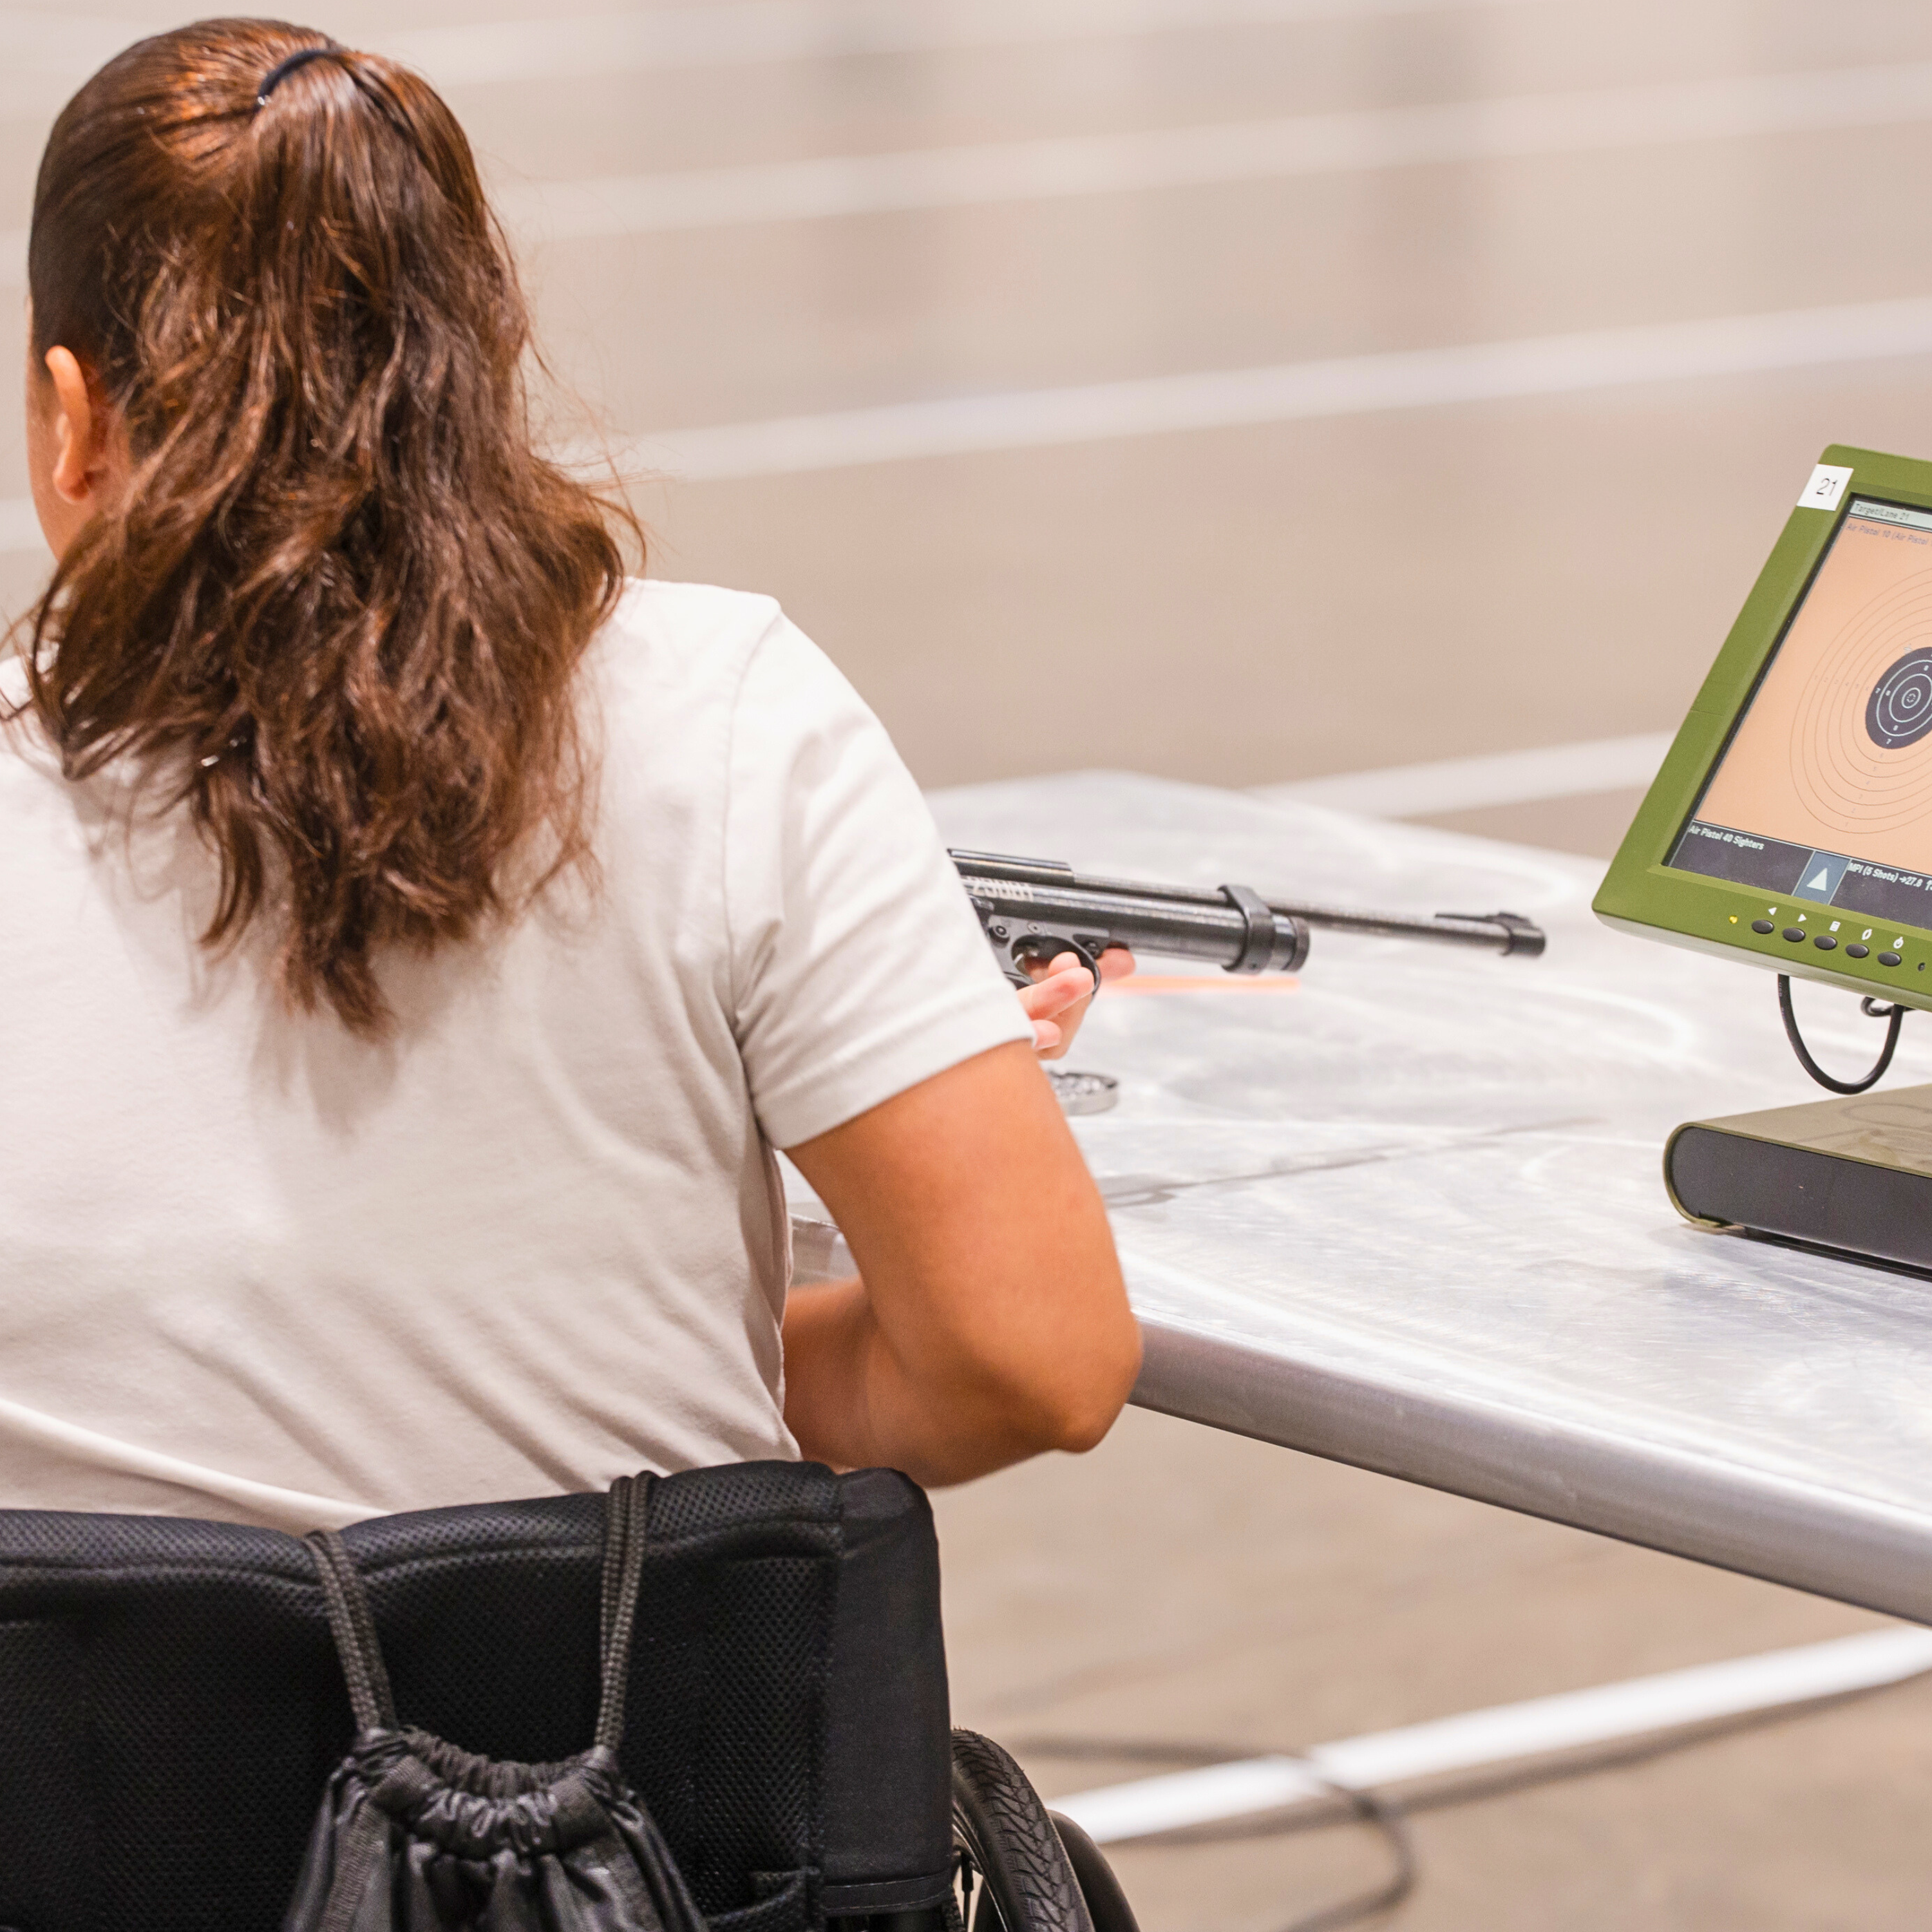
1852, 1175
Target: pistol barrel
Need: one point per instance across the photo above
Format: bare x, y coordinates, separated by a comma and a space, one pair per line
1191, 922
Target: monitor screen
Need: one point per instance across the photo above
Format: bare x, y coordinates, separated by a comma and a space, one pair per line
1825, 792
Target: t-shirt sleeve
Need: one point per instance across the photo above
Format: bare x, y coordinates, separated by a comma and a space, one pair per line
858, 968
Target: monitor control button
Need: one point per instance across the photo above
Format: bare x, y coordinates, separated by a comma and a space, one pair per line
1855, 951
1795, 933
1762, 926
1890, 959
1825, 943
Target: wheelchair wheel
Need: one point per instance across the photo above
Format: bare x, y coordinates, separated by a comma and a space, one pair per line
1106, 1903
1015, 1870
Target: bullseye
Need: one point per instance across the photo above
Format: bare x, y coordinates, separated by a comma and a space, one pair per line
1899, 711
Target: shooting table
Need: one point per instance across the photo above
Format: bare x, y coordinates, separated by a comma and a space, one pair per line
1407, 1213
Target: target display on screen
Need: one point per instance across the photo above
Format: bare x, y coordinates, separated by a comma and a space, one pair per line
1825, 792
1899, 711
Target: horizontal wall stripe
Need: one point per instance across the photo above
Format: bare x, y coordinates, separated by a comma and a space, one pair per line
1721, 347
743, 32
1063, 166
1713, 350
1598, 119
1549, 365
49, 54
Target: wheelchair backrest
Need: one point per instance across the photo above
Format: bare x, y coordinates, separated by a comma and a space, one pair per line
171, 1706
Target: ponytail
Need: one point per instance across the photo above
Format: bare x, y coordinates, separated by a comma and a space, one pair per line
339, 611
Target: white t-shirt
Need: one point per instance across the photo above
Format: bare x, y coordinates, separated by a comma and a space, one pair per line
254, 1269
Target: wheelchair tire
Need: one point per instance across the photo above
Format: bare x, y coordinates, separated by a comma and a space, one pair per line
1015, 1875
1106, 1903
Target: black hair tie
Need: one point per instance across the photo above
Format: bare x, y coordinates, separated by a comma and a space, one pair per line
277, 75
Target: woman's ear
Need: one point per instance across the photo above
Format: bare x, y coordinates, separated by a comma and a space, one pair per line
79, 454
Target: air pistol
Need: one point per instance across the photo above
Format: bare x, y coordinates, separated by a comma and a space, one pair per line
1033, 910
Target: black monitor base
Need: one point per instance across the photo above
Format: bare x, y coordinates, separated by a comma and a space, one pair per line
1852, 1176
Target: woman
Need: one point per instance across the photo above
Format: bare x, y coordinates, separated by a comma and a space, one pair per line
418, 936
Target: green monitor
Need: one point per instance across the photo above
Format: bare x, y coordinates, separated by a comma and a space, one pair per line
1791, 824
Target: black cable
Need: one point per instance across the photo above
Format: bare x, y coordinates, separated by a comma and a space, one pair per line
1388, 1818
1383, 1814
1873, 1009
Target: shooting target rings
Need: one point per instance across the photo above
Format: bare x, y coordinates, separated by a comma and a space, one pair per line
1858, 760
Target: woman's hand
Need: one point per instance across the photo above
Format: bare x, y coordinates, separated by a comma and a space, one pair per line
1062, 991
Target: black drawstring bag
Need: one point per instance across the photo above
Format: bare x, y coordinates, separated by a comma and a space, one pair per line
415, 1835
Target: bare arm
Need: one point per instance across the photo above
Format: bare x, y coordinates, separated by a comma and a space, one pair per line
989, 1321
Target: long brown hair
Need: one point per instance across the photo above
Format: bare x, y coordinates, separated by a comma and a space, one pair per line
344, 599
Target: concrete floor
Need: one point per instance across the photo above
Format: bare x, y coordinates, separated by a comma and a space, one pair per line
1182, 1584
1246, 605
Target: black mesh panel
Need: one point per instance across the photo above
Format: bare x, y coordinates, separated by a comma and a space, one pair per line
43, 1771
172, 1705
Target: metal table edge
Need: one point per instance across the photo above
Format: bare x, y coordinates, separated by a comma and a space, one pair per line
1854, 1549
